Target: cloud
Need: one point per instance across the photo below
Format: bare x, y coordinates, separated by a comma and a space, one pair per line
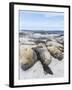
41, 20
53, 14
45, 13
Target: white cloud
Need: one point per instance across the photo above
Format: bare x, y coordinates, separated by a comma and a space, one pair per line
46, 13
53, 14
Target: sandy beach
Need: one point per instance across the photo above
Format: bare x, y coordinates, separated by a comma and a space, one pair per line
37, 71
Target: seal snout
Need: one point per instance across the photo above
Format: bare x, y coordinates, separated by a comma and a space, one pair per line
24, 66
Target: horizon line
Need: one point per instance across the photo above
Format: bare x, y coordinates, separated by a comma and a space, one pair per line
39, 30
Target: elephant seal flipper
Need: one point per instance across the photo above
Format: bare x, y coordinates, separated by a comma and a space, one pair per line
47, 69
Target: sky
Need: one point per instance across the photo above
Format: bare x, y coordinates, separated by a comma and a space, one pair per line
37, 20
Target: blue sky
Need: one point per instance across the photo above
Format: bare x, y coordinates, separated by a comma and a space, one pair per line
35, 20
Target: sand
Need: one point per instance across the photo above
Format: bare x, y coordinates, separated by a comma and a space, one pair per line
36, 71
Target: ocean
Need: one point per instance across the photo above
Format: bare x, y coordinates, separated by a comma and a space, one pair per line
43, 32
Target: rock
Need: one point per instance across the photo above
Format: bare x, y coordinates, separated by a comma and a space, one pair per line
55, 52
27, 58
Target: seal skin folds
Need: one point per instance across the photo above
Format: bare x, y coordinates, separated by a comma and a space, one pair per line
55, 52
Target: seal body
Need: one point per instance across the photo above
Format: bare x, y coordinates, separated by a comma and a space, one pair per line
44, 57
55, 52
27, 58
